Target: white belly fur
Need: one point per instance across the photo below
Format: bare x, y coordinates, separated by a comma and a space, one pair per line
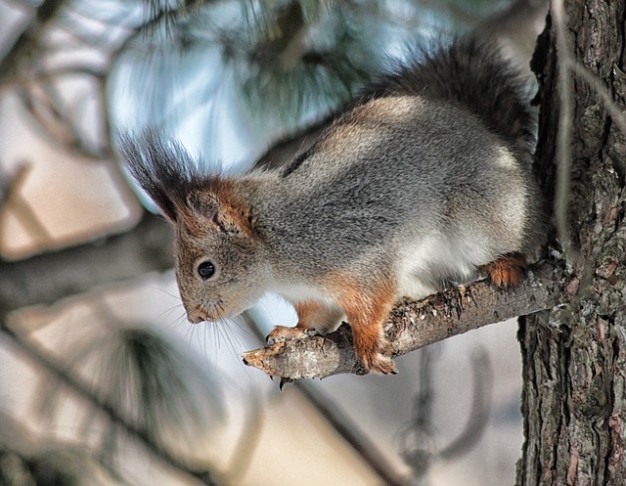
438, 256
455, 258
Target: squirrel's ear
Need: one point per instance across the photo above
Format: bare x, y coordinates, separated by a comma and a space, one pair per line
202, 208
225, 214
203, 204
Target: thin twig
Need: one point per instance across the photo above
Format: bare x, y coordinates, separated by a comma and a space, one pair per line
418, 449
417, 436
39, 356
29, 78
11, 183
616, 112
353, 434
81, 268
48, 110
18, 440
27, 40
479, 413
14, 201
564, 134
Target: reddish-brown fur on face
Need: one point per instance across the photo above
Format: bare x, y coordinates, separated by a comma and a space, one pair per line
506, 271
190, 220
367, 311
232, 210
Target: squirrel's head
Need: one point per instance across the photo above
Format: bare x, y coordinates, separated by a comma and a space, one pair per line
221, 263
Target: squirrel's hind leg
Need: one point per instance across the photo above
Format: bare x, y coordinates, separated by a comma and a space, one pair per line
506, 271
313, 318
367, 311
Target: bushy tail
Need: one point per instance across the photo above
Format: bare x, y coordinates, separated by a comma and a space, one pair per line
472, 73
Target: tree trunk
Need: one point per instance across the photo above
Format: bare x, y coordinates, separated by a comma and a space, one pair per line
574, 358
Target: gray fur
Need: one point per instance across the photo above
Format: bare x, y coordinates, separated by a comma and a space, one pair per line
369, 186
418, 184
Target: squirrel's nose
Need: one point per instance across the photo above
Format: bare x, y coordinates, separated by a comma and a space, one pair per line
197, 315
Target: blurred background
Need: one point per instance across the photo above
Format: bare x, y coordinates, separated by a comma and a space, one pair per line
102, 379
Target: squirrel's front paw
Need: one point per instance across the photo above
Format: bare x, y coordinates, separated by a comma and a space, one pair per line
379, 363
375, 360
284, 333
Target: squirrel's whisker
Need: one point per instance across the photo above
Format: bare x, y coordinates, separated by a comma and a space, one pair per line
424, 180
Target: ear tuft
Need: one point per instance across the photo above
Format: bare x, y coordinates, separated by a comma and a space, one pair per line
161, 167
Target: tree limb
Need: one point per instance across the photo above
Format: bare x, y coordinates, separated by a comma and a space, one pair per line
412, 325
49, 277
25, 44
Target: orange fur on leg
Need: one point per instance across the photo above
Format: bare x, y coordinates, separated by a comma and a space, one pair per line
313, 318
506, 271
367, 312
318, 316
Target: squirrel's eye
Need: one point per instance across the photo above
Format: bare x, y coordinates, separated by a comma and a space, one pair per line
206, 270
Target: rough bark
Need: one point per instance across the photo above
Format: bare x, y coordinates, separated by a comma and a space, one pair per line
574, 358
412, 325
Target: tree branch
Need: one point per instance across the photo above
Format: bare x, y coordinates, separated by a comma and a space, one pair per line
25, 44
412, 325
348, 429
49, 277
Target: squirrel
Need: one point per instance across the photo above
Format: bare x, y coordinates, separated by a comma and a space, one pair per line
426, 180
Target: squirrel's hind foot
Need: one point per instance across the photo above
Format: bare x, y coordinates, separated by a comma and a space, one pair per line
506, 271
